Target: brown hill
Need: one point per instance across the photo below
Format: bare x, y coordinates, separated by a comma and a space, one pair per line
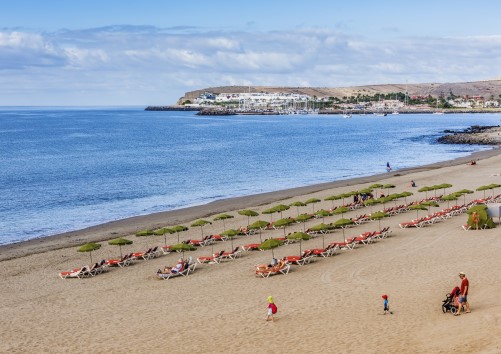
487, 89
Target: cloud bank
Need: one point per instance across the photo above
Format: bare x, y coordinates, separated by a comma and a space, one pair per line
141, 65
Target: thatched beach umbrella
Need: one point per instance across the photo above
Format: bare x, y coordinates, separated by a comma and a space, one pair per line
281, 208
163, 231
323, 213
405, 195
417, 207
270, 244
283, 223
303, 218
341, 210
145, 233
200, 223
299, 236
269, 211
322, 228
297, 204
376, 186
182, 247
230, 233
248, 213
387, 187
425, 189
371, 202
89, 247
464, 192
444, 186
312, 201
258, 225
449, 197
343, 223
378, 215
120, 242
333, 198
177, 229
223, 217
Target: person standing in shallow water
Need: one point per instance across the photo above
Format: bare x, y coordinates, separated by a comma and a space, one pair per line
388, 167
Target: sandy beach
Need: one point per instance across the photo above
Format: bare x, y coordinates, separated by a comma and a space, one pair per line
331, 305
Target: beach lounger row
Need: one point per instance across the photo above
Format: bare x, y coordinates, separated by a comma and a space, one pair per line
85, 271
220, 256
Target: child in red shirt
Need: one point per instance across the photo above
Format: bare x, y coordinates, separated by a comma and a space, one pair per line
272, 309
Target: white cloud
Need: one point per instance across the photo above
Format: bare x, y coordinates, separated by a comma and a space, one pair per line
126, 64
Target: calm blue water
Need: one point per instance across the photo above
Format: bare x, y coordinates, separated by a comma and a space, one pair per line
66, 169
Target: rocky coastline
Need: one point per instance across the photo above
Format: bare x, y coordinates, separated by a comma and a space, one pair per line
474, 135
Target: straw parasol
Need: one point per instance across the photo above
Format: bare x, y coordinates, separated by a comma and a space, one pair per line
248, 213
120, 242
299, 236
270, 244
258, 225
230, 233
297, 204
378, 215
223, 217
312, 201
177, 229
283, 223
200, 223
89, 247
343, 223
303, 218
163, 231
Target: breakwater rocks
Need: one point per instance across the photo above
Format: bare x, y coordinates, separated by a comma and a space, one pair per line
474, 135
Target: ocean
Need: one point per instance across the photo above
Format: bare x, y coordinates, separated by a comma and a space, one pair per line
64, 169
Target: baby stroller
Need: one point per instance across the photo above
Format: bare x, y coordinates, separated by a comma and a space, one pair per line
451, 302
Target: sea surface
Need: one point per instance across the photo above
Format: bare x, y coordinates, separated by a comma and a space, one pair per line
64, 169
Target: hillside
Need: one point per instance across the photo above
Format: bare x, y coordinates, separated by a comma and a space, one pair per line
476, 88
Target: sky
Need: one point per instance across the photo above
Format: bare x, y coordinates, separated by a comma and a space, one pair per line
150, 52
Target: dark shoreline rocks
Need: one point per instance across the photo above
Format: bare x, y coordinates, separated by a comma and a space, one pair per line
474, 135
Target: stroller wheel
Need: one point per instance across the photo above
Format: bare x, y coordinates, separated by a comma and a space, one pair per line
454, 310
444, 309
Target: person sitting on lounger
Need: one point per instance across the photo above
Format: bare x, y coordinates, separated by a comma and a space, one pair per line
174, 270
273, 263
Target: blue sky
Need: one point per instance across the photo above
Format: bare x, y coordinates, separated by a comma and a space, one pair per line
149, 52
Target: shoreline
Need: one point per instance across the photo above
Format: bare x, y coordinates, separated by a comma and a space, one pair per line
127, 226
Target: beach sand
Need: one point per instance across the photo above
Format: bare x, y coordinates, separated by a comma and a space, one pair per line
331, 305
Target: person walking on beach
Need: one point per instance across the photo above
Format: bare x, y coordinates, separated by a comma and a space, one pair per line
463, 294
272, 309
386, 306
388, 167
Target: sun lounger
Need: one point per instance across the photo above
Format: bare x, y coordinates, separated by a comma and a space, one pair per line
233, 254
305, 258
328, 251
265, 272
348, 245
76, 273
215, 258
123, 262
251, 247
185, 271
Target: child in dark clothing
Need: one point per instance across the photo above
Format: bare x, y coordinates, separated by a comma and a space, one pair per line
386, 306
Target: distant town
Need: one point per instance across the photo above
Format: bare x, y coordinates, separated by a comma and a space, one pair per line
290, 103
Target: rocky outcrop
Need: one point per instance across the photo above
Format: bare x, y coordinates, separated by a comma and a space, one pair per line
475, 135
